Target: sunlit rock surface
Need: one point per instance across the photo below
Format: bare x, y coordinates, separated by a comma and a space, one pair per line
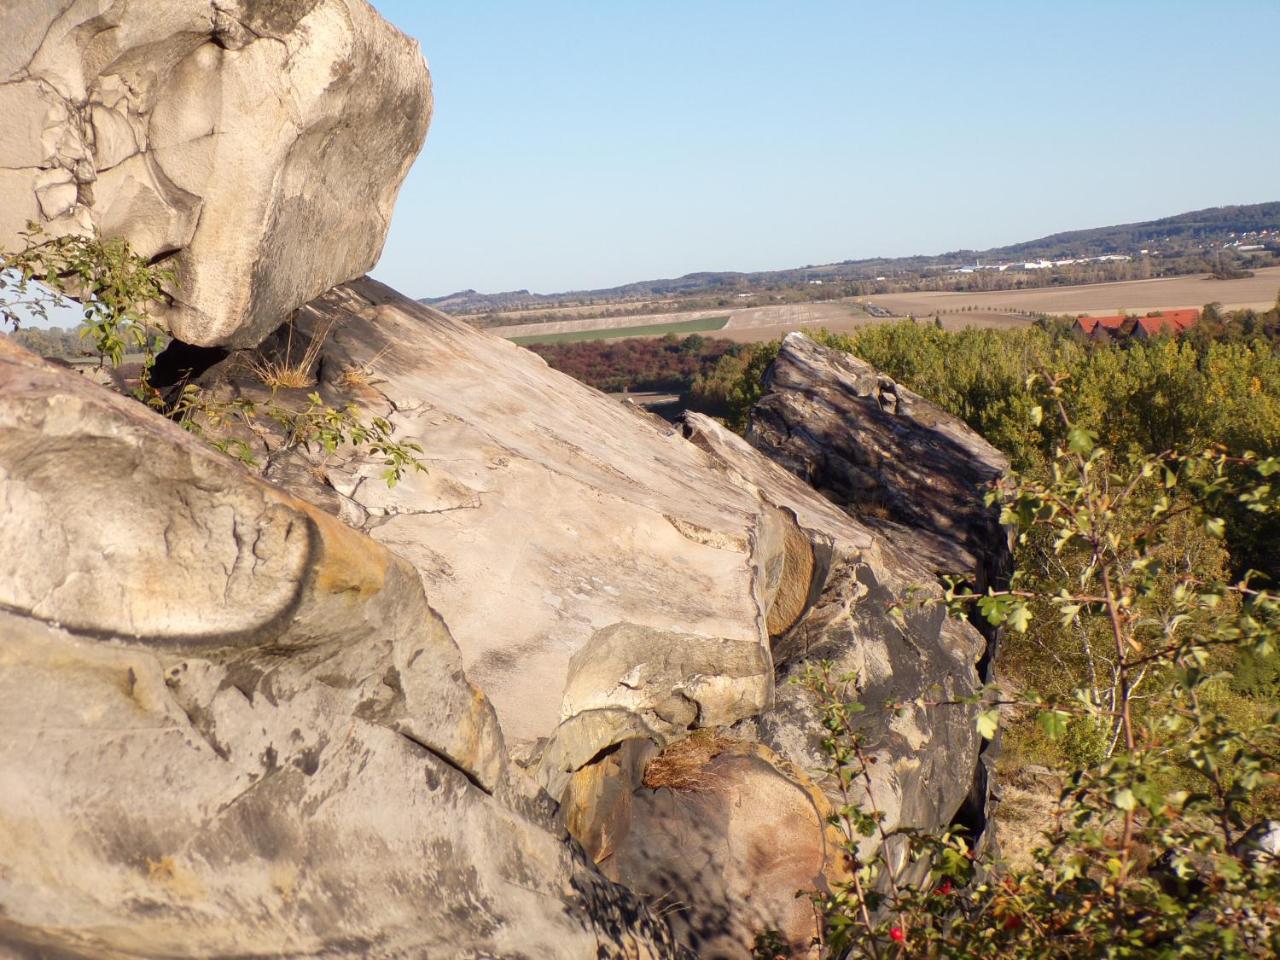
615, 587
223, 139
231, 725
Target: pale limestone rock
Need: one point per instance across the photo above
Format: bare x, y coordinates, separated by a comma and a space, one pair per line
218, 136
230, 725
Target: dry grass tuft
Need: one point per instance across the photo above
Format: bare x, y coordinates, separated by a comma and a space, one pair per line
683, 764
362, 375
286, 372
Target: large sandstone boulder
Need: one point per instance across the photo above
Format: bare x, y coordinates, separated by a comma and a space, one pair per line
873, 614
221, 138
615, 588
231, 725
601, 582
721, 833
884, 453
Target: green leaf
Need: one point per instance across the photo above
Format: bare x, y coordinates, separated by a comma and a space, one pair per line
1125, 800
988, 722
1053, 723
1037, 416
1215, 527
1081, 441
1020, 617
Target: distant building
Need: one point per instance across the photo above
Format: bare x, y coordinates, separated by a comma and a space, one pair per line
1154, 324
1170, 322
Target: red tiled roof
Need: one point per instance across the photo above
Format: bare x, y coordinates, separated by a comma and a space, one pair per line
1168, 321
1089, 324
1154, 323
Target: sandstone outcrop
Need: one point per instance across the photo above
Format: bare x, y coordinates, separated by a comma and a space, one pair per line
906, 469
223, 138
615, 588
886, 454
618, 589
601, 582
530, 702
231, 725
873, 614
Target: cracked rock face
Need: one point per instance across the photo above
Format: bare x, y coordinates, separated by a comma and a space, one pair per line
231, 725
887, 455
220, 137
601, 582
615, 587
874, 614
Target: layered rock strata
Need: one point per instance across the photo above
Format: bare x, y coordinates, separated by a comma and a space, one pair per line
615, 588
885, 454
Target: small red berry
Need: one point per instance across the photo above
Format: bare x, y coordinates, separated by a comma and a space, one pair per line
1012, 922
897, 936
944, 888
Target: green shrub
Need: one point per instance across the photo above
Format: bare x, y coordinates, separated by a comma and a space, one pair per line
1150, 856
115, 289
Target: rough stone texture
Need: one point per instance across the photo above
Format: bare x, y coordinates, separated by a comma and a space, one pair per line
902, 466
222, 137
728, 853
600, 581
230, 725
613, 587
927, 751
884, 453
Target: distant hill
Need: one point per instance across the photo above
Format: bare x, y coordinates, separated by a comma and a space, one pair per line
1178, 235
1199, 227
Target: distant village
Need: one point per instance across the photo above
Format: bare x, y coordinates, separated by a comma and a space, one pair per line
1242, 243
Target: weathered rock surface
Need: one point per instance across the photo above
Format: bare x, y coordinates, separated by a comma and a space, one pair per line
601, 582
614, 587
222, 137
726, 848
905, 468
884, 453
873, 614
230, 725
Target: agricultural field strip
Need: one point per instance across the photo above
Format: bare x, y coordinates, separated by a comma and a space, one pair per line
998, 308
1132, 296
700, 325
801, 314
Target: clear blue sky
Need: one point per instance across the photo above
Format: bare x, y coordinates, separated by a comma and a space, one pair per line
584, 144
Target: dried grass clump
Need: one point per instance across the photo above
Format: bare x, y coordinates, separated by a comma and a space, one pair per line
362, 375
287, 373
683, 764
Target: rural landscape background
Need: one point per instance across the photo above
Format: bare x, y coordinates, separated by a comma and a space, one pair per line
769, 483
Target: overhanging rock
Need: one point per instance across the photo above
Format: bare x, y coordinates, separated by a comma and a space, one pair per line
221, 138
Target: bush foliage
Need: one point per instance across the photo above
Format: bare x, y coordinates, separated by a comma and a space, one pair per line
1139, 655
115, 290
1161, 847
